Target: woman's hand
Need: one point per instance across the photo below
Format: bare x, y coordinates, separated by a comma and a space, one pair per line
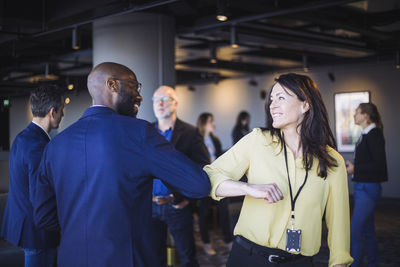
349, 167
270, 192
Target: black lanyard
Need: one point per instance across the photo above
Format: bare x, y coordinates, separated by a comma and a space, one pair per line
293, 201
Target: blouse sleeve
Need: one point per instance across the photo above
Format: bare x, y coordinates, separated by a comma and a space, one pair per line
233, 164
338, 215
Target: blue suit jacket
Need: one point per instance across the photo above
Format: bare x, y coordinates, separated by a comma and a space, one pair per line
18, 225
95, 183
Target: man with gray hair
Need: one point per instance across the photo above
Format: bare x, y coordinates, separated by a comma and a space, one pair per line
171, 209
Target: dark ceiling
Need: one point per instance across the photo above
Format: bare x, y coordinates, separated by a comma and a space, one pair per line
273, 35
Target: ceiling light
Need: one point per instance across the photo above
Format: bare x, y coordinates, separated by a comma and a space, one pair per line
67, 100
213, 54
222, 10
75, 39
306, 68
234, 42
70, 86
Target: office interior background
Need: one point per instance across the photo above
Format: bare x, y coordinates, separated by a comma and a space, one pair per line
221, 56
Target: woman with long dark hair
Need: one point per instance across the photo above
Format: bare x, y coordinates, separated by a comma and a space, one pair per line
206, 126
369, 170
241, 127
294, 177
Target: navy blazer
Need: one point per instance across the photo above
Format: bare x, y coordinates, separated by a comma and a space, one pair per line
18, 224
95, 183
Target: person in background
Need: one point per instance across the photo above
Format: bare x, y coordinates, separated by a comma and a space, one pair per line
241, 127
170, 209
40, 246
369, 171
206, 126
294, 175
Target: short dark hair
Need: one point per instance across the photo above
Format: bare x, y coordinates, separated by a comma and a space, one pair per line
315, 134
44, 98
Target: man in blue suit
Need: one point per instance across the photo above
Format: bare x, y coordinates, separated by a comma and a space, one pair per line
25, 155
95, 179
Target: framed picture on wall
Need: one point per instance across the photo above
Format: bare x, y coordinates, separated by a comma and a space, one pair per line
347, 133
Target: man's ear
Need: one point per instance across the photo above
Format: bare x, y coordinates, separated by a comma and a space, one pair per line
52, 112
112, 85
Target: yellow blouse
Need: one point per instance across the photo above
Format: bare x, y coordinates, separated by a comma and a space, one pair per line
260, 157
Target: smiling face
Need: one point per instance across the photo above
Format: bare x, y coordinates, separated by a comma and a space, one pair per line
129, 99
287, 111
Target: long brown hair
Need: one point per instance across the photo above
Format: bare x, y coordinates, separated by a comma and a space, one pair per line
315, 134
202, 121
372, 111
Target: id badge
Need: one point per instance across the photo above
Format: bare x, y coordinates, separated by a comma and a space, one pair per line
293, 240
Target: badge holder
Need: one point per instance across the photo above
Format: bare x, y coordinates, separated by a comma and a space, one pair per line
293, 239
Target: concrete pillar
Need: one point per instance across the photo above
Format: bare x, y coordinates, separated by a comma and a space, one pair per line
143, 42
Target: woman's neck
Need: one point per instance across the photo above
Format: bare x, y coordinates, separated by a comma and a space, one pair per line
293, 141
365, 124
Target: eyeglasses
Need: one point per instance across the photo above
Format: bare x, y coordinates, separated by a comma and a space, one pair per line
138, 84
162, 99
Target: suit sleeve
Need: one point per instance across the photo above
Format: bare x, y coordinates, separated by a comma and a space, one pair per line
44, 198
33, 159
175, 170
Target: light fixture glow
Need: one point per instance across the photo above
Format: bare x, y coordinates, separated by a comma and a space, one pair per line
75, 39
67, 100
306, 68
213, 54
222, 10
222, 18
70, 86
234, 38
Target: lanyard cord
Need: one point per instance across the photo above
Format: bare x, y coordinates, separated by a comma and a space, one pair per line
293, 201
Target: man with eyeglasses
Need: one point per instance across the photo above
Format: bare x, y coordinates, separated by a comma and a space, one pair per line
95, 179
170, 208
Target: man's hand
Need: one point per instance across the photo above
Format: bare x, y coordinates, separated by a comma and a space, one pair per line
349, 167
270, 192
181, 204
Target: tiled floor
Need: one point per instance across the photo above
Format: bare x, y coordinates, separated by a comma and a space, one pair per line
387, 226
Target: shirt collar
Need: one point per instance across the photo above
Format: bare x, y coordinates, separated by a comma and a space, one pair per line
368, 128
40, 126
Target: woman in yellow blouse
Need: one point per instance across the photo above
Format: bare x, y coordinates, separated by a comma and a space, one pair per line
294, 177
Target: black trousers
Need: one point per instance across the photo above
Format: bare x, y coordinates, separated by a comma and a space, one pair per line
240, 257
223, 213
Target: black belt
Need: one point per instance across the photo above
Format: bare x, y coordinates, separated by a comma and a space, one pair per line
271, 254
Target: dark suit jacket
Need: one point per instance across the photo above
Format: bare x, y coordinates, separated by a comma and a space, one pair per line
187, 139
217, 146
95, 183
18, 224
370, 158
